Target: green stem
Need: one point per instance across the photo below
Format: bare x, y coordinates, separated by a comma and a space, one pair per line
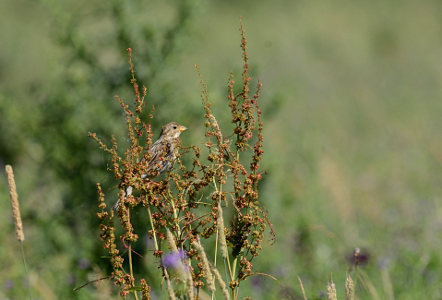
216, 240
153, 228
216, 248
175, 215
26, 269
356, 278
235, 289
214, 259
234, 267
131, 270
230, 269
166, 275
23, 257
130, 262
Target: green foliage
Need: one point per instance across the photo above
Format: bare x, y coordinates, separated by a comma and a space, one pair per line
352, 100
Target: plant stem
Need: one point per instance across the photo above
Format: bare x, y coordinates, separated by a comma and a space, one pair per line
234, 295
356, 277
175, 214
23, 257
153, 228
26, 268
130, 261
216, 249
234, 267
214, 259
227, 261
166, 275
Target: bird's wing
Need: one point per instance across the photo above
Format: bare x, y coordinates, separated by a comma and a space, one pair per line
158, 149
161, 148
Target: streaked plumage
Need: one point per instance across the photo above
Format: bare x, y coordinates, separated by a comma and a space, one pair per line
162, 153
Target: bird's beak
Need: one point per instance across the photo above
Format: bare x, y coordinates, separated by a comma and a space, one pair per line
182, 128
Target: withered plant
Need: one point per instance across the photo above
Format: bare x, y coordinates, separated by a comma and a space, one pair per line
187, 207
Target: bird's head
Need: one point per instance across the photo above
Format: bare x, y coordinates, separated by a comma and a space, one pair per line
172, 130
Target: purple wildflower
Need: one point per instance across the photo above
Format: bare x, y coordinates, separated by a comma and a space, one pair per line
174, 259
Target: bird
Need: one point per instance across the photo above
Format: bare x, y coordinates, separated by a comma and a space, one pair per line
162, 153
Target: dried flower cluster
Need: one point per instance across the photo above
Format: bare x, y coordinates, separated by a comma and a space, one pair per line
187, 206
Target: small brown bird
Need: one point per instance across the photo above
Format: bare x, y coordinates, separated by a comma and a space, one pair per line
162, 153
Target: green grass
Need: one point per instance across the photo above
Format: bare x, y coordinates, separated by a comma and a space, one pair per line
352, 107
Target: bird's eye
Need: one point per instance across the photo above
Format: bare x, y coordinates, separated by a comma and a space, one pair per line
174, 127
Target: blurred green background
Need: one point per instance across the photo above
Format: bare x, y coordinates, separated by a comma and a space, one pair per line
352, 105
